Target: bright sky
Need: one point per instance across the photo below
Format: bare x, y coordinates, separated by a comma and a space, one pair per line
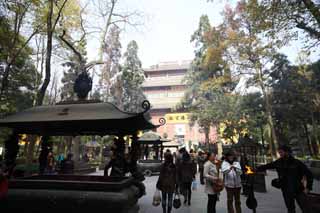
168, 26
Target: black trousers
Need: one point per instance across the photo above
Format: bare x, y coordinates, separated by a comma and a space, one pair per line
201, 175
301, 198
187, 191
166, 204
212, 201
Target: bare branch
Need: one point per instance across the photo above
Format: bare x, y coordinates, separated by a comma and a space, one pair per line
94, 63
71, 46
59, 14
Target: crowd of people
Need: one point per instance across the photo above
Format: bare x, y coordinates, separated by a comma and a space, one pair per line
179, 170
49, 164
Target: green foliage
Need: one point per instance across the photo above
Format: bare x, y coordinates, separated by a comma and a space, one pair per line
110, 83
18, 94
132, 78
246, 46
294, 19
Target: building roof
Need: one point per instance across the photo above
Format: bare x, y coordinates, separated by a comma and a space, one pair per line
164, 81
77, 119
167, 66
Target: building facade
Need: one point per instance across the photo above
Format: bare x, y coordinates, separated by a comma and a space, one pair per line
164, 87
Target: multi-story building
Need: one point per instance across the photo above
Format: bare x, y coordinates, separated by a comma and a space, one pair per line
164, 87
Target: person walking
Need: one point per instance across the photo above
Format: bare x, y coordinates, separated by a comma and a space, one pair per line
231, 170
291, 173
186, 174
167, 182
50, 163
210, 174
201, 162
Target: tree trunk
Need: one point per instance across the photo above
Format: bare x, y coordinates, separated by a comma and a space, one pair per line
25, 149
4, 83
262, 136
274, 140
207, 137
305, 127
76, 149
30, 153
43, 89
68, 142
315, 134
61, 146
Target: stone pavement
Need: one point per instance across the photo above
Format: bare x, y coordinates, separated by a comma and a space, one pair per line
270, 202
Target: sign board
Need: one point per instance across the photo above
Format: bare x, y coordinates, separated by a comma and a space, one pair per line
175, 118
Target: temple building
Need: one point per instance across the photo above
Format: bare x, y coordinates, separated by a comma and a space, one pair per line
165, 88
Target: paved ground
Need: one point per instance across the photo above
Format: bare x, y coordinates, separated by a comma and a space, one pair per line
270, 202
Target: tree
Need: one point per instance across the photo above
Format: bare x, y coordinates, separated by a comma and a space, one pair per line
295, 111
250, 53
209, 79
110, 80
73, 70
19, 75
52, 19
13, 20
289, 16
132, 78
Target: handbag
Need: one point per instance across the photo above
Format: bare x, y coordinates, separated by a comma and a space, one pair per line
194, 185
176, 201
156, 198
218, 184
276, 183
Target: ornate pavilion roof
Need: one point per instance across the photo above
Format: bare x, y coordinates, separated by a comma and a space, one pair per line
83, 118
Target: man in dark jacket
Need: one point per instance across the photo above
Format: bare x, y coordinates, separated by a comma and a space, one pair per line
291, 173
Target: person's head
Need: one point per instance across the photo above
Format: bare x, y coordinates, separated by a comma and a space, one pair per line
211, 156
50, 154
168, 151
191, 151
168, 158
182, 150
230, 156
284, 151
186, 157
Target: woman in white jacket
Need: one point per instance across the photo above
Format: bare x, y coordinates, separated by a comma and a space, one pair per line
231, 170
210, 174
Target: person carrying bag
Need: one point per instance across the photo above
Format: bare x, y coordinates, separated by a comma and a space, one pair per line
212, 183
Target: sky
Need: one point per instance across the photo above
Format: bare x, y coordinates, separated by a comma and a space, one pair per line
167, 29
